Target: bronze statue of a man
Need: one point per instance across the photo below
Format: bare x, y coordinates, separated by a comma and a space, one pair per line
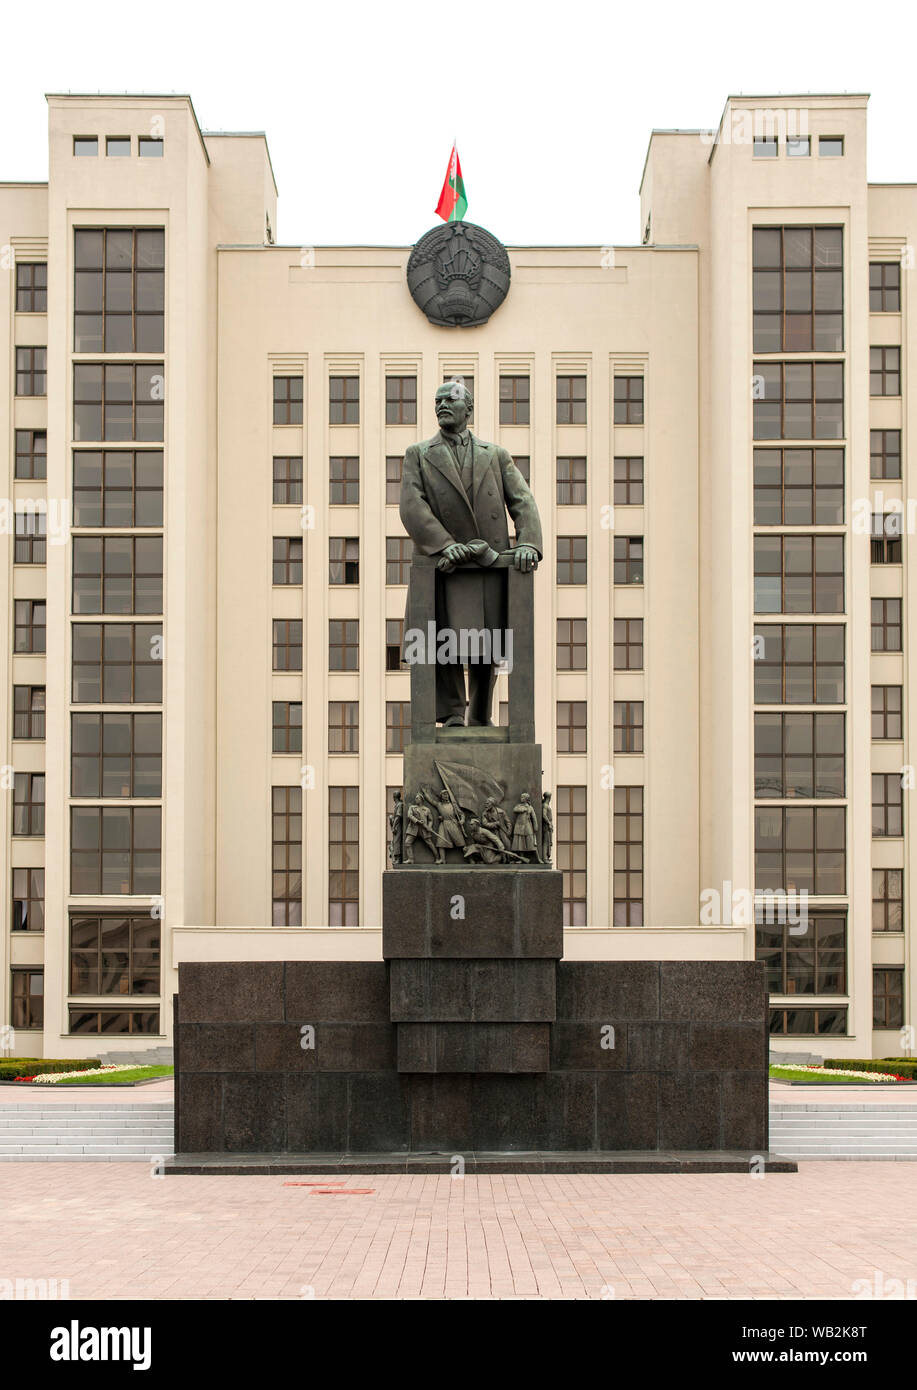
455, 491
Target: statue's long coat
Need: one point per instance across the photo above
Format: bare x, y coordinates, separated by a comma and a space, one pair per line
436, 512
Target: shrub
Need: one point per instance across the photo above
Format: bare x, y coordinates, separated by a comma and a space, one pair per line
900, 1066
11, 1067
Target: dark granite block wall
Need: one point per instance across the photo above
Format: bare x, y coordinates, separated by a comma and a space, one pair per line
643, 1055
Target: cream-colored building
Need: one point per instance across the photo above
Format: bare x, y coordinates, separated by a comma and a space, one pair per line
205, 573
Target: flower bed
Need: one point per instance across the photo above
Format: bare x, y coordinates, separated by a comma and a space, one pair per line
49, 1078
870, 1075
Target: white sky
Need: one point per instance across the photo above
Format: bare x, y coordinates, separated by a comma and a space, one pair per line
552, 106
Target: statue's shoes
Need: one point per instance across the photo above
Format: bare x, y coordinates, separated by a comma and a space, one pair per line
453, 722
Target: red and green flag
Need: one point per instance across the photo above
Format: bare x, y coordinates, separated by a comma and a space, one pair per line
453, 204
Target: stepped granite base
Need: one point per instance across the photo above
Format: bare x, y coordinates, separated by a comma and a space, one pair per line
473, 1043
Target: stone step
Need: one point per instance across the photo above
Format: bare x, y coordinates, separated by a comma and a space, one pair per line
115, 1156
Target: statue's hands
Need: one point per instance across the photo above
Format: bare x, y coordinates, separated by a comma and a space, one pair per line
454, 554
525, 558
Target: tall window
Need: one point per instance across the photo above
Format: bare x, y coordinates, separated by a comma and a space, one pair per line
115, 849
571, 644
628, 481
31, 287
343, 560
799, 487
798, 400
28, 803
885, 287
114, 955
800, 847
888, 998
286, 845
628, 644
119, 289
117, 574
397, 725
28, 998
799, 755
885, 622
803, 957
344, 483
884, 371
887, 805
31, 538
571, 559
628, 559
798, 289
888, 899
287, 560
400, 400
117, 663
31, 371
523, 463
286, 734
799, 574
399, 551
29, 625
344, 644
343, 726
571, 482
31, 454
886, 712
628, 727
287, 479
571, 400
393, 468
628, 857
114, 401
287, 644
628, 400
799, 664
885, 542
28, 900
116, 755
344, 400
885, 453
514, 400
570, 854
343, 856
571, 726
394, 638
288, 400
117, 487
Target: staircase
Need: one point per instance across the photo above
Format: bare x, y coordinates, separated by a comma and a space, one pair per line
85, 1132
844, 1130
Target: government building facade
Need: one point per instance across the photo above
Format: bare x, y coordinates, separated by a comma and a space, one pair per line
205, 570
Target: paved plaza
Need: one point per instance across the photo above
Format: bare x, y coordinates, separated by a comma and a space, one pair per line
115, 1232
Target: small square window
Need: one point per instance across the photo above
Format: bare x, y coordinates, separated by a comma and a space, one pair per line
799, 147
764, 147
118, 146
85, 145
830, 146
148, 148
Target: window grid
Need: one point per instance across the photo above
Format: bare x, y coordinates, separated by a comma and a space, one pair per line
344, 400
888, 900
115, 849
885, 623
399, 551
397, 725
31, 454
28, 711
628, 400
286, 856
343, 856
31, 287
287, 560
117, 487
287, 644
885, 453
515, 400
571, 559
571, 400
344, 481
798, 487
29, 803
288, 400
628, 644
884, 371
571, 726
798, 289
885, 287
31, 371
628, 857
114, 955
400, 400
628, 480
119, 289
343, 644
628, 559
117, 663
286, 736
29, 625
343, 726
571, 481
287, 479
571, 852
571, 644
116, 755
887, 805
800, 663
118, 401
28, 900
888, 998
628, 726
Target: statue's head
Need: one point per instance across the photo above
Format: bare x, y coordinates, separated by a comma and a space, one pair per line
454, 405
396, 796
546, 796
473, 824
489, 804
525, 797
418, 799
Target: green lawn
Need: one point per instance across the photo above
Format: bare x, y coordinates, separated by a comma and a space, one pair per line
785, 1074
115, 1078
